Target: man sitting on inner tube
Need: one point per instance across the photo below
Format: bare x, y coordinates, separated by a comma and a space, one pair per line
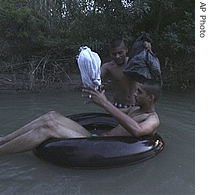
135, 122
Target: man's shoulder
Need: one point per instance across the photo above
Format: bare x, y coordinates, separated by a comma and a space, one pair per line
108, 64
135, 112
153, 118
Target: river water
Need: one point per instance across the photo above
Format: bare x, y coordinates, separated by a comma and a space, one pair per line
170, 172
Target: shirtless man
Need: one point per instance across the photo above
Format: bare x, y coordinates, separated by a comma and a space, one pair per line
123, 87
135, 122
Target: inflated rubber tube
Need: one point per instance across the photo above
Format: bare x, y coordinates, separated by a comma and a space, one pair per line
98, 152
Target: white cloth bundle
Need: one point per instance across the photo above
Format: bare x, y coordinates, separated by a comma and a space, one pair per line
89, 64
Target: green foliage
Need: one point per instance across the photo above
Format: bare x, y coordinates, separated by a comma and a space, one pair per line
16, 23
28, 27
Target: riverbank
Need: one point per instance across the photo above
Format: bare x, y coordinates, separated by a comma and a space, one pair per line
21, 84
18, 83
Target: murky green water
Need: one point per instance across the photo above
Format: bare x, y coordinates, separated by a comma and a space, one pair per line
170, 172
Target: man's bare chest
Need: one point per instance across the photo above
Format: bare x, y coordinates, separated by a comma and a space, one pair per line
117, 74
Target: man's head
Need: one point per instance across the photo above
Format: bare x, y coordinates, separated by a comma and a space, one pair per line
147, 94
118, 51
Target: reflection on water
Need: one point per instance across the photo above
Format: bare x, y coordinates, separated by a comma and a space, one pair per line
170, 172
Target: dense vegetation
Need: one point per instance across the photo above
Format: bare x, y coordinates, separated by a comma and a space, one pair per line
39, 39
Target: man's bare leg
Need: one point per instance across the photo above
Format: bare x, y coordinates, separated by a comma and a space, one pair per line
33, 137
39, 122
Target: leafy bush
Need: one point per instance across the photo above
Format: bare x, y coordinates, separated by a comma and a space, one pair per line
29, 27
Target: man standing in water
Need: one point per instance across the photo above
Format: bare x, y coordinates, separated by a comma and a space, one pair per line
136, 121
123, 86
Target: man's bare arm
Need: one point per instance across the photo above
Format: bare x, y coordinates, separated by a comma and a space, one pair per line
133, 127
104, 70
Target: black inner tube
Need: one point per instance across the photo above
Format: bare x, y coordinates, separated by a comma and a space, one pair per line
98, 152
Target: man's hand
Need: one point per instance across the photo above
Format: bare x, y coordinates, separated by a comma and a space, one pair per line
95, 96
147, 45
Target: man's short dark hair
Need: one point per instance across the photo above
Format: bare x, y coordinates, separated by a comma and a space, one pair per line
153, 89
117, 42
